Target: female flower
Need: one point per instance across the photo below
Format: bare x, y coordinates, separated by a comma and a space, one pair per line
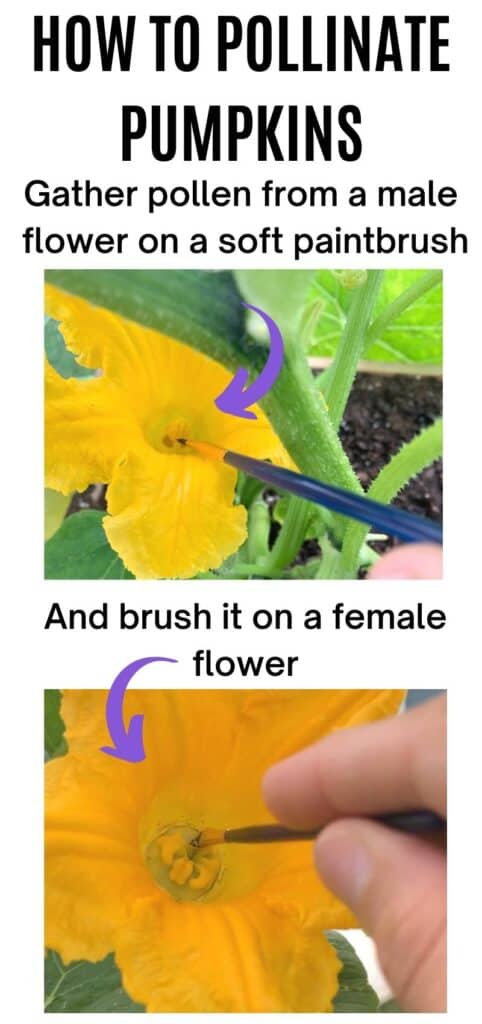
235, 928
170, 512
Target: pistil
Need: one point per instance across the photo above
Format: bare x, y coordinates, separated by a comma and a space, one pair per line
186, 872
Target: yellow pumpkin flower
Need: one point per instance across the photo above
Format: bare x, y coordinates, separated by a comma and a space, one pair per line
229, 928
170, 512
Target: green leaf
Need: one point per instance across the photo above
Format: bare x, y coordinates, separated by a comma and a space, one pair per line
54, 739
355, 994
82, 987
281, 293
58, 355
79, 550
201, 308
55, 507
414, 337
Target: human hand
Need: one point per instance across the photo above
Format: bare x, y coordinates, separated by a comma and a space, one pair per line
409, 562
394, 883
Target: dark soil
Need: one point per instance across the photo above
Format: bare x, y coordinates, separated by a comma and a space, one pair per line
383, 411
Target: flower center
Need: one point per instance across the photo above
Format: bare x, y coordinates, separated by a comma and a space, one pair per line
165, 435
184, 871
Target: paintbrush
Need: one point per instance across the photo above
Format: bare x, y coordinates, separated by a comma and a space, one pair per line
388, 519
419, 823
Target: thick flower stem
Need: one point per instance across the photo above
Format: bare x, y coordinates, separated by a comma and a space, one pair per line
352, 345
300, 418
421, 451
301, 421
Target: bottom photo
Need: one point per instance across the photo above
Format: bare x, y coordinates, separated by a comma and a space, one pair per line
230, 850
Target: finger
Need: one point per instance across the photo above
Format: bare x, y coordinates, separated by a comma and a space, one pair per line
410, 562
397, 764
396, 886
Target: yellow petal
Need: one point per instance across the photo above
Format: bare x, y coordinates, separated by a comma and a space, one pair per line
172, 515
253, 943
93, 866
86, 426
169, 516
188, 735
228, 958
256, 439
291, 887
162, 379
311, 714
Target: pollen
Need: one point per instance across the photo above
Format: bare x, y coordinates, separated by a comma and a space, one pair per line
168, 434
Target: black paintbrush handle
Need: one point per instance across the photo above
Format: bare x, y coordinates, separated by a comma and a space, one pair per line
386, 518
412, 822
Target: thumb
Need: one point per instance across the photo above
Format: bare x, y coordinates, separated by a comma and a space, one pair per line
395, 884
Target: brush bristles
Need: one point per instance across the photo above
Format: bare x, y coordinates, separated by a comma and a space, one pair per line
210, 837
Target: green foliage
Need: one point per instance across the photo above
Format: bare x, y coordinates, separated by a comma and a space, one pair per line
58, 355
82, 987
415, 336
79, 550
390, 315
54, 739
355, 994
200, 308
281, 293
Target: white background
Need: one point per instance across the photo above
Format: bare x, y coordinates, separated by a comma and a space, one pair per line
64, 126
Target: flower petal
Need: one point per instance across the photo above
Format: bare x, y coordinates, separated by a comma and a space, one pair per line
293, 888
172, 515
86, 426
257, 439
93, 866
163, 379
232, 958
276, 723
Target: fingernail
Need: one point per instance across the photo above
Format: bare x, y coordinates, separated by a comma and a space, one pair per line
344, 863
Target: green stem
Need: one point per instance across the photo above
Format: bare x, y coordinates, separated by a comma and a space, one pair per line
300, 419
407, 298
241, 571
414, 456
259, 524
351, 346
291, 535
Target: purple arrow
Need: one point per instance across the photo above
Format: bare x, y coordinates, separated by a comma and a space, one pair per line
234, 400
128, 743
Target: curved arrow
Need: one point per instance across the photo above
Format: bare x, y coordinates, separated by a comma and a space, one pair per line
128, 743
234, 400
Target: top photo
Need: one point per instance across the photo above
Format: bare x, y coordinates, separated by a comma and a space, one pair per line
238, 425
